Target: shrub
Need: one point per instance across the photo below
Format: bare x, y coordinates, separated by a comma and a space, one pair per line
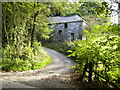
103, 53
24, 58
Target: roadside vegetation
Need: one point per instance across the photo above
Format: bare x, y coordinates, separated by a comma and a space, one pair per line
98, 58
63, 47
26, 58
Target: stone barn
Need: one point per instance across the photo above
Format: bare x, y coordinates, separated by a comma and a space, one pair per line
66, 28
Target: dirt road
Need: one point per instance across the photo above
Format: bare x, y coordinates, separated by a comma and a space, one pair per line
55, 75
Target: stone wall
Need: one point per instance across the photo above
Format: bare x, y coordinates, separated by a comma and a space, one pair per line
67, 32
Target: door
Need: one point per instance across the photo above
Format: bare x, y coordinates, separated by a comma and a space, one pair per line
72, 37
60, 35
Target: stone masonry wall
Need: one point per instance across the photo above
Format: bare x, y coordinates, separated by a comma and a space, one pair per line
62, 33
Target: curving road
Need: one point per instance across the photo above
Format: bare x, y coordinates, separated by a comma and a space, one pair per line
55, 75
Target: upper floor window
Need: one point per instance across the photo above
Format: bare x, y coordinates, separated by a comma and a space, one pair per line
66, 25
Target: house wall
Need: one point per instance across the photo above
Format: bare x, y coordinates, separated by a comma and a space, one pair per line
61, 34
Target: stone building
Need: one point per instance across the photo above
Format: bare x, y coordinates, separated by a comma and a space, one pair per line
66, 28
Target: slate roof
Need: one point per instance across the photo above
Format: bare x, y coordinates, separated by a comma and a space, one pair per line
65, 19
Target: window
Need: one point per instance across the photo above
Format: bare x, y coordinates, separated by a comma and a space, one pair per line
49, 24
80, 37
60, 32
66, 25
60, 35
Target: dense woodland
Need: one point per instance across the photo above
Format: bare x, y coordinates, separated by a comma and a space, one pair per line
25, 25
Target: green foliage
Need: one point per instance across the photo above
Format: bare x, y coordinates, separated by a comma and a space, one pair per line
94, 13
62, 47
27, 58
98, 8
102, 49
87, 8
62, 8
101, 30
114, 29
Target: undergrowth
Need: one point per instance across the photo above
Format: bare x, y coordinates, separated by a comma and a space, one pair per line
62, 47
24, 58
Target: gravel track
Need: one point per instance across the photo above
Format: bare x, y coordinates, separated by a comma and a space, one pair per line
58, 74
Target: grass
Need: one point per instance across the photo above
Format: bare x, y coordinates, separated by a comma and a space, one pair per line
60, 47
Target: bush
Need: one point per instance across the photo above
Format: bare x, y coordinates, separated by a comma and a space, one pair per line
103, 53
24, 58
60, 47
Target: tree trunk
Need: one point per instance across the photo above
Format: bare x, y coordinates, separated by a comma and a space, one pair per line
6, 33
96, 77
33, 29
34, 20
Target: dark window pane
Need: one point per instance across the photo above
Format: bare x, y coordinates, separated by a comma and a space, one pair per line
80, 37
60, 32
65, 25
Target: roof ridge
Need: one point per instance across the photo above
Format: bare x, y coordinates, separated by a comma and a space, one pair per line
63, 19
66, 16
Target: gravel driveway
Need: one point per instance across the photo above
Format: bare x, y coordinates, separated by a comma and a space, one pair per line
55, 75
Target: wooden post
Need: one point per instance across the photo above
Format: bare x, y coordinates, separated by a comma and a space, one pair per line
90, 72
84, 71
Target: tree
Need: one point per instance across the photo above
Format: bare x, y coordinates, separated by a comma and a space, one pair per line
94, 13
18, 29
22, 23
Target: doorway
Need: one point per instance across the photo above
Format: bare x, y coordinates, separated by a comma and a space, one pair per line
72, 37
60, 35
